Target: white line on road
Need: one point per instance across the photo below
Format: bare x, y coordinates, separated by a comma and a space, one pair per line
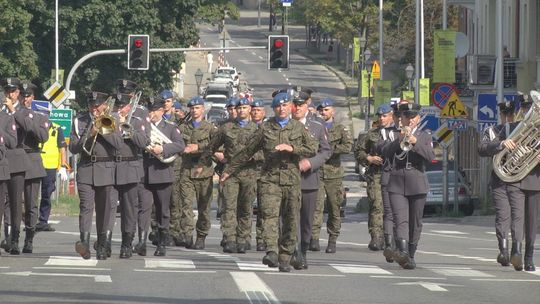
308, 275
4, 267
261, 58
505, 280
73, 268
457, 237
459, 272
70, 261
406, 278
254, 288
97, 278
165, 263
429, 285
459, 256
448, 232
364, 269
174, 271
254, 266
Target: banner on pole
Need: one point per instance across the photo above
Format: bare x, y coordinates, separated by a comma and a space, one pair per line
356, 49
423, 97
383, 92
365, 84
444, 53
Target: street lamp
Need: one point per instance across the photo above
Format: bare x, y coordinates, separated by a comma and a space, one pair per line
369, 65
198, 79
409, 71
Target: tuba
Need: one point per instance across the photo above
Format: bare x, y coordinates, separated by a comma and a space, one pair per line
513, 165
158, 138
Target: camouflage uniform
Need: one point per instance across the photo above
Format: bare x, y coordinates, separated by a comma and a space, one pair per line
239, 191
280, 181
195, 189
373, 173
331, 181
175, 209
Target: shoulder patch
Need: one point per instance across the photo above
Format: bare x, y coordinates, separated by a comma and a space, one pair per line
30, 115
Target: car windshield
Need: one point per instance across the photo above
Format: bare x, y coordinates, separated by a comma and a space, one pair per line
435, 178
228, 72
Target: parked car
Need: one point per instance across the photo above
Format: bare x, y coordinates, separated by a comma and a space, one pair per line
216, 100
434, 199
216, 115
218, 89
230, 71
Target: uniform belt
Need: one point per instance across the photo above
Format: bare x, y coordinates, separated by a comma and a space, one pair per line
32, 150
120, 158
410, 166
99, 159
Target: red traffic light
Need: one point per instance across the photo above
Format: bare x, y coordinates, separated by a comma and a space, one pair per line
278, 43
138, 43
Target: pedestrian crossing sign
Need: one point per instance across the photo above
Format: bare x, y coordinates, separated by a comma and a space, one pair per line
454, 107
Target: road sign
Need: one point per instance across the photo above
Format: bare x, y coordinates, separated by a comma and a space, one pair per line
444, 136
63, 118
56, 94
487, 106
483, 125
42, 106
375, 70
441, 93
286, 2
454, 107
457, 124
429, 122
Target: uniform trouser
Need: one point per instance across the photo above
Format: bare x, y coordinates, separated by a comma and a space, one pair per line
331, 193
114, 197
128, 196
15, 190
90, 197
516, 197
161, 193
307, 209
388, 216
48, 186
376, 211
144, 211
176, 211
31, 193
196, 190
259, 225
502, 211
7, 213
531, 213
408, 212
3, 199
238, 196
275, 200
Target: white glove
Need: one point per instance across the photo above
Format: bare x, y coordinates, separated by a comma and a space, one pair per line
63, 174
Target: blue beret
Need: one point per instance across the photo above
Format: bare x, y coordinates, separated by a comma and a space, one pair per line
280, 98
177, 105
384, 108
232, 102
243, 102
166, 94
326, 102
195, 101
258, 103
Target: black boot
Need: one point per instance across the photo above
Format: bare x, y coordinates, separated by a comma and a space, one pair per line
516, 258
163, 237
404, 260
331, 247
108, 244
412, 251
241, 247
29, 241
229, 247
503, 258
389, 248
101, 246
303, 250
529, 252
14, 244
314, 245
6, 242
180, 240
375, 244
126, 249
270, 259
199, 243
82, 247
189, 241
140, 248
261, 246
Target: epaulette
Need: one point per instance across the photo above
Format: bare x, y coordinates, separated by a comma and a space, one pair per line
136, 117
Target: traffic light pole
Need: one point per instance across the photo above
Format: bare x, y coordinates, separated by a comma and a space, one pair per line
159, 50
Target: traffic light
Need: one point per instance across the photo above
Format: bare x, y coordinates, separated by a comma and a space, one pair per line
278, 52
138, 52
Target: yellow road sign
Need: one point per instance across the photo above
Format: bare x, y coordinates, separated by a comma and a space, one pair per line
444, 136
376, 70
56, 94
454, 107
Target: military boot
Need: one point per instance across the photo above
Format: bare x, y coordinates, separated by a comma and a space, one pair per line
270, 259
101, 246
314, 245
529, 252
163, 236
284, 267
153, 237
29, 241
126, 249
404, 260
375, 243
14, 244
199, 243
516, 259
108, 244
503, 258
6, 242
180, 240
229, 247
247, 245
140, 248
189, 241
331, 247
389, 247
303, 250
82, 247
261, 246
241, 247
412, 251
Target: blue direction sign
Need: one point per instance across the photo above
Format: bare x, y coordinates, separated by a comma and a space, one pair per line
430, 119
483, 125
457, 124
286, 2
487, 110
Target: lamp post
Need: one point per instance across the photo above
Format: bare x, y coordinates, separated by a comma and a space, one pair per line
363, 42
409, 71
369, 65
198, 79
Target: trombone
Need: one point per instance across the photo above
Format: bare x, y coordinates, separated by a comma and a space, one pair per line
104, 123
126, 127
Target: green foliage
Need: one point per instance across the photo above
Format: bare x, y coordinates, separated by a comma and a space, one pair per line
214, 11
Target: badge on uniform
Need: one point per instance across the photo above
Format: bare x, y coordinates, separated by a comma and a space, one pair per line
30, 115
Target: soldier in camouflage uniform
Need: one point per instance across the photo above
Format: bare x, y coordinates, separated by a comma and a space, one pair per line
368, 157
331, 179
258, 116
196, 187
284, 142
239, 189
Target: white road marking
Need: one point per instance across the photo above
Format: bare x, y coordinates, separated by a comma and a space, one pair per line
457, 237
254, 54
70, 261
536, 272
459, 256
254, 266
407, 278
97, 278
308, 275
448, 232
55, 222
254, 288
73, 268
460, 272
4, 267
429, 285
505, 280
364, 269
164, 263
174, 271
261, 58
